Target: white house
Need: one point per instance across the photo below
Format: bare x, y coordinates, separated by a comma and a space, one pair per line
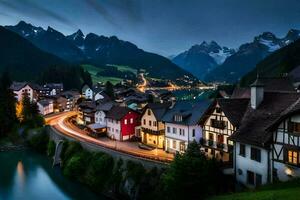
21, 88
181, 125
87, 92
258, 149
45, 106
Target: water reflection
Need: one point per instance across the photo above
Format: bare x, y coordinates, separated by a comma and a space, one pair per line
27, 176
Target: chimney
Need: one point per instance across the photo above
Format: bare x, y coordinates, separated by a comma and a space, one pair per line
257, 93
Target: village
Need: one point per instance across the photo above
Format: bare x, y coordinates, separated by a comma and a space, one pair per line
254, 132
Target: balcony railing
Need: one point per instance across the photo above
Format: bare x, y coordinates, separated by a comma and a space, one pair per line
215, 144
153, 132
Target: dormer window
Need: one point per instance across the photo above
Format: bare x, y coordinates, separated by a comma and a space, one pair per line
178, 118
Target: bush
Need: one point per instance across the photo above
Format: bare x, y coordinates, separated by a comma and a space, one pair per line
51, 148
99, 171
75, 166
69, 149
136, 171
39, 141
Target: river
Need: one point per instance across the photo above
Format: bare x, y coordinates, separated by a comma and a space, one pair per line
29, 176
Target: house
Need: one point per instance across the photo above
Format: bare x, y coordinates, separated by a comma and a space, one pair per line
181, 125
86, 112
45, 106
21, 88
152, 126
51, 89
121, 123
87, 92
221, 120
264, 151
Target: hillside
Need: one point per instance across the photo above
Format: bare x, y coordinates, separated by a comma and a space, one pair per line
280, 62
21, 58
98, 51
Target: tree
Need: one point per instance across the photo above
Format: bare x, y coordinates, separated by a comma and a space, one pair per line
109, 89
191, 176
7, 105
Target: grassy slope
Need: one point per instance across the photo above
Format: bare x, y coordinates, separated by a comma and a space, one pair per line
286, 191
94, 70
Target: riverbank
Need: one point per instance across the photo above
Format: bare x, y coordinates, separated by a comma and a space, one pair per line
13, 147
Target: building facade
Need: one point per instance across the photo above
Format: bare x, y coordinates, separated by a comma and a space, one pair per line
219, 122
152, 126
181, 125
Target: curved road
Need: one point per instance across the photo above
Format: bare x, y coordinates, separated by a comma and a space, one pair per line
61, 123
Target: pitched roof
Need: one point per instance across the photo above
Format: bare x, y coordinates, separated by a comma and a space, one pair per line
158, 109
190, 111
16, 86
255, 122
278, 84
105, 106
45, 102
117, 112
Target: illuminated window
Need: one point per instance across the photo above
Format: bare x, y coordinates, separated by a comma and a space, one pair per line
293, 157
131, 120
125, 121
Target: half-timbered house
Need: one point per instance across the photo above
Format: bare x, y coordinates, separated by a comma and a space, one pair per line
253, 140
218, 123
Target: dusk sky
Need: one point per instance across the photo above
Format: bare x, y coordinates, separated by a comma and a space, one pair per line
162, 26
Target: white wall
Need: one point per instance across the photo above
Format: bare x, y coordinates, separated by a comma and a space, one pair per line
245, 163
98, 96
113, 129
187, 137
88, 93
100, 117
20, 93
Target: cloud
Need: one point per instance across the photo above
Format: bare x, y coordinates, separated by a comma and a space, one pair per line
101, 10
32, 9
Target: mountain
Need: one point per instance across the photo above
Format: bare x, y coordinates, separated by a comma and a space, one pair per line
284, 61
98, 50
248, 55
200, 59
21, 58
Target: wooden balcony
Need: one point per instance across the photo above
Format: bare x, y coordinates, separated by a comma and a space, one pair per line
152, 132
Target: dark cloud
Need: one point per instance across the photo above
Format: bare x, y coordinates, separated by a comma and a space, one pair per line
35, 10
161, 26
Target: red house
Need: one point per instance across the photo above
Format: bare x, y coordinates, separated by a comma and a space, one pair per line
121, 123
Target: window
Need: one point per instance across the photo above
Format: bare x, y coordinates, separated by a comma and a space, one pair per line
125, 121
131, 120
150, 123
250, 177
180, 131
174, 130
182, 147
144, 122
174, 144
178, 118
218, 123
258, 179
183, 132
168, 129
154, 123
253, 178
242, 150
255, 154
294, 127
293, 157
218, 110
193, 133
149, 112
211, 136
